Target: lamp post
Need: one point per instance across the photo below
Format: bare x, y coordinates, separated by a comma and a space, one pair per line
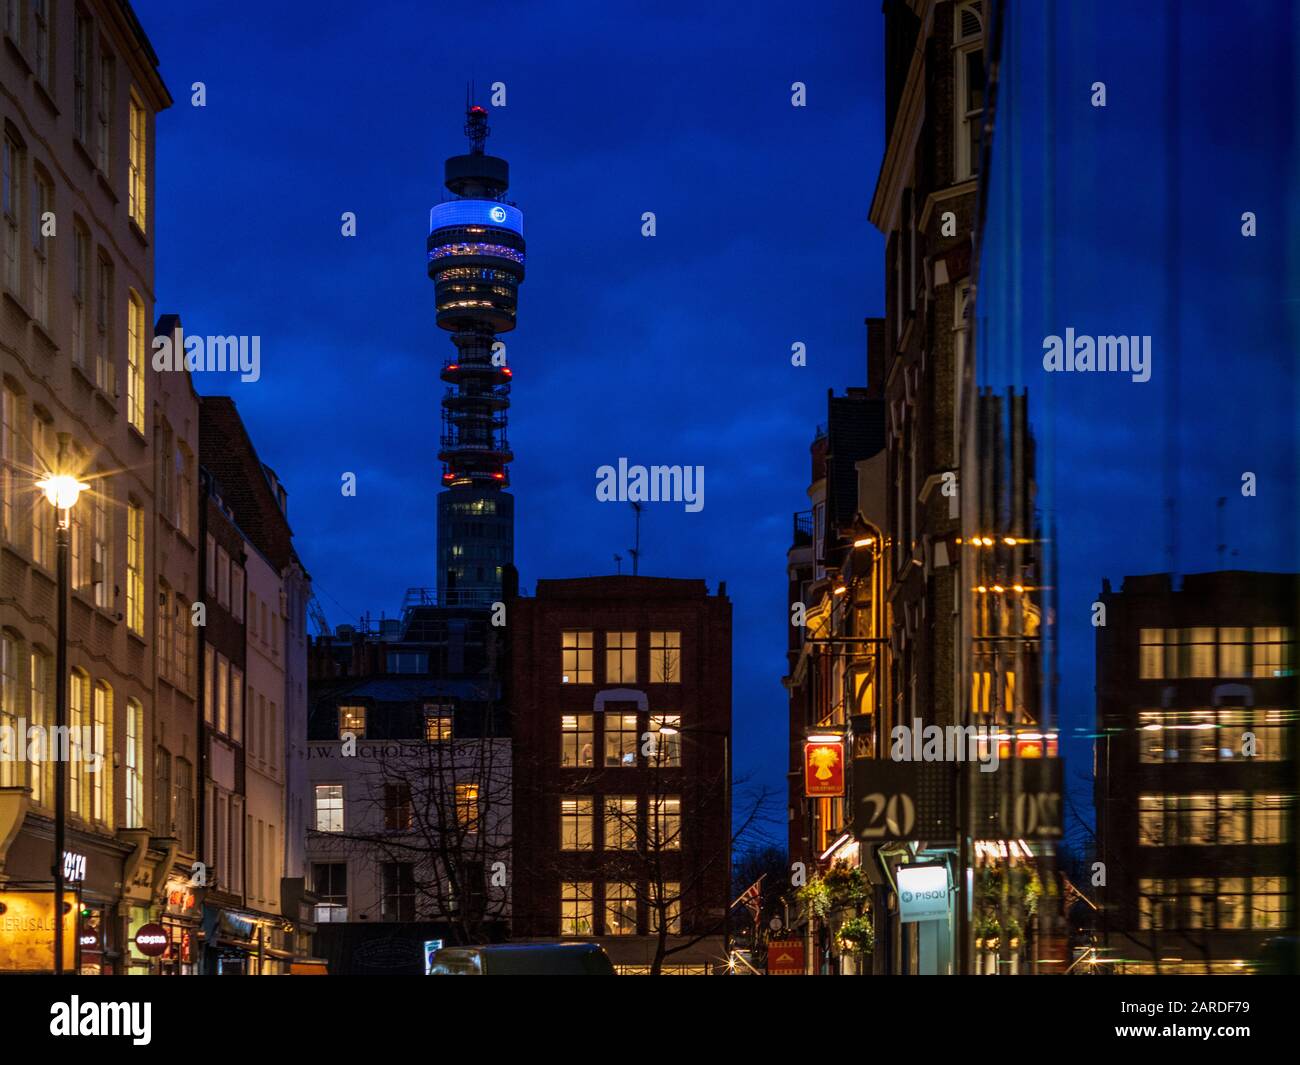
62, 490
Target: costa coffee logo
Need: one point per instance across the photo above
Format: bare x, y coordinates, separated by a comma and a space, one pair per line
151, 940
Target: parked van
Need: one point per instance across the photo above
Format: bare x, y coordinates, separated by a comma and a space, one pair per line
523, 959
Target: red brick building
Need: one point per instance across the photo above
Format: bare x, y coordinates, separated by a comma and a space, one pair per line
620, 691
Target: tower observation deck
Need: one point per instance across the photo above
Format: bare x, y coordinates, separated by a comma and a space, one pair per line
476, 262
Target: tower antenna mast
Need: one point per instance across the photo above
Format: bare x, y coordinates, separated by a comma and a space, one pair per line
636, 551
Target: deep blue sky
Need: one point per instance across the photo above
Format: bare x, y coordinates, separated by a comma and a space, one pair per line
674, 349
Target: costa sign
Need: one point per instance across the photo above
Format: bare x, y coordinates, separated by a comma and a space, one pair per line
151, 940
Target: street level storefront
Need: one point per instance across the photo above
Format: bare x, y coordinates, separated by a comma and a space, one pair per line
240, 943
92, 868
181, 914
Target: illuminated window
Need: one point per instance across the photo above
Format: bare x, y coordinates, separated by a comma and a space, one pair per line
1213, 734
620, 657
329, 807
620, 909
621, 822
99, 798
1210, 819
10, 407
666, 751
468, 811
78, 721
135, 362
577, 741
138, 174
438, 722
1151, 660
576, 656
135, 567
576, 824
134, 764
666, 899
620, 739
665, 657
1272, 652
666, 823
330, 886
1228, 903
577, 911
44, 455
40, 712
10, 710
352, 719
1233, 645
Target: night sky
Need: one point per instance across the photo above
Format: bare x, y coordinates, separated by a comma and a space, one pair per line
676, 349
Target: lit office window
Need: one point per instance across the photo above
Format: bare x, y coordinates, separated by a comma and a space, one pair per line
576, 655
620, 657
577, 741
329, 807
665, 657
576, 824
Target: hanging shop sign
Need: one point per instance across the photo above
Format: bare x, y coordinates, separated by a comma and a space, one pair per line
1021, 800
152, 940
904, 800
823, 768
785, 957
27, 932
922, 893
180, 899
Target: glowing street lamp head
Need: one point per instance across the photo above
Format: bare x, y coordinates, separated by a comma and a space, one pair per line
62, 490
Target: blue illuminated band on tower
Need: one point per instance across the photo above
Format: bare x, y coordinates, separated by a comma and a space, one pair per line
476, 262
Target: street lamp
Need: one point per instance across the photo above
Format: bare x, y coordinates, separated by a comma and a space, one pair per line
62, 490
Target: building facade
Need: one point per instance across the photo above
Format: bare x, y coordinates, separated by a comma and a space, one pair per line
256, 907
78, 395
409, 761
620, 694
1196, 772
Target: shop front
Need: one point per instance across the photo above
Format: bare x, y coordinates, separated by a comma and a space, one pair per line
181, 915
240, 943
92, 873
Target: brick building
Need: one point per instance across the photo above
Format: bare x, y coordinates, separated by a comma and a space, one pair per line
1196, 771
620, 692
